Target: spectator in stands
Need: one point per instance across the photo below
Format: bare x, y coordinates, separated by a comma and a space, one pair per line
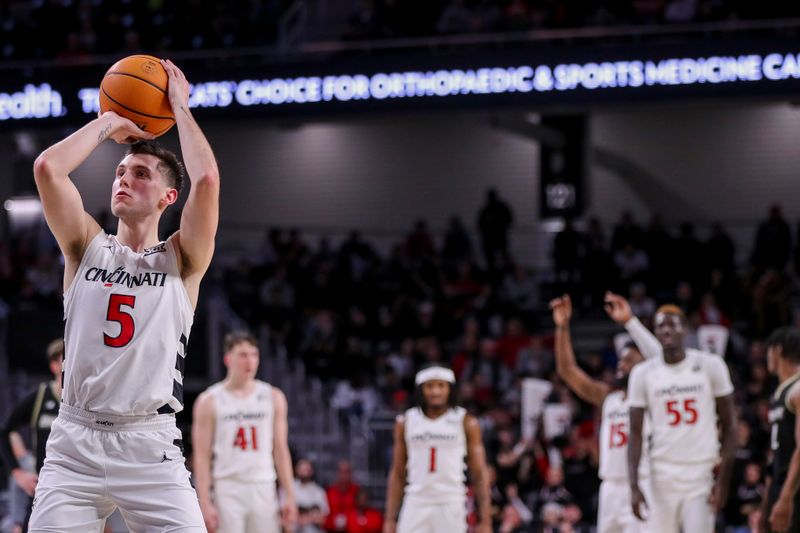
277, 299
487, 372
710, 313
567, 254
494, 222
771, 301
457, 244
572, 520
627, 231
746, 497
511, 521
513, 340
342, 498
456, 18
419, 243
312, 502
720, 251
773, 242
550, 517
553, 491
688, 258
657, 243
642, 305
631, 264
519, 291
596, 264
680, 11
364, 518
319, 345
365, 22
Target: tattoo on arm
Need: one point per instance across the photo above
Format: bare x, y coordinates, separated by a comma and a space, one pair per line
104, 134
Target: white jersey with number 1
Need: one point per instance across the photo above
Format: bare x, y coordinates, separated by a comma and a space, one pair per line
437, 449
243, 435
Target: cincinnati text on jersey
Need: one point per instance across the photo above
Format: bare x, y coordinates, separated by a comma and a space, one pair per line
244, 416
618, 414
678, 389
428, 436
120, 277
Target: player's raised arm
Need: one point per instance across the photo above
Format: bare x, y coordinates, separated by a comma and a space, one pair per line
780, 519
201, 212
283, 458
202, 446
479, 476
619, 310
397, 477
590, 390
63, 208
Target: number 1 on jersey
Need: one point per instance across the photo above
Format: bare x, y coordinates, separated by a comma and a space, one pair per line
432, 467
123, 318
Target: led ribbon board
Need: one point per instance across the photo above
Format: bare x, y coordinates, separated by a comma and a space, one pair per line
494, 81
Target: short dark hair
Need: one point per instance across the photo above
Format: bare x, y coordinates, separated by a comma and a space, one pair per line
629, 345
236, 337
788, 338
169, 166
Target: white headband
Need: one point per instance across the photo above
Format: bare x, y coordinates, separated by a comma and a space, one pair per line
435, 372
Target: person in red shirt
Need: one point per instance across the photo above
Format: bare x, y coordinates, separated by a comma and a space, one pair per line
364, 519
342, 498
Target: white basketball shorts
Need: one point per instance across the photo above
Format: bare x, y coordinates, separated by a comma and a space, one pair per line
680, 497
420, 516
95, 463
246, 507
614, 512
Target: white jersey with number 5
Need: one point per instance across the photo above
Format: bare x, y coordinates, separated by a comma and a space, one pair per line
680, 400
127, 321
243, 433
614, 439
437, 449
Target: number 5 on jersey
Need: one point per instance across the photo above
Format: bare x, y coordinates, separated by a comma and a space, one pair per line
123, 318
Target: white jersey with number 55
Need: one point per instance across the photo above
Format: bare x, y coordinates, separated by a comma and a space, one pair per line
680, 400
437, 449
127, 321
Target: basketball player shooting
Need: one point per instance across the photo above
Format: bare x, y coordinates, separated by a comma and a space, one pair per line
685, 393
431, 442
129, 304
240, 442
614, 513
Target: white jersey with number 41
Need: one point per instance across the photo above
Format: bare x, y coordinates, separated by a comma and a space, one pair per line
243, 433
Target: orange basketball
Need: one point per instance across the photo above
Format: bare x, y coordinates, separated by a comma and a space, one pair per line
136, 88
